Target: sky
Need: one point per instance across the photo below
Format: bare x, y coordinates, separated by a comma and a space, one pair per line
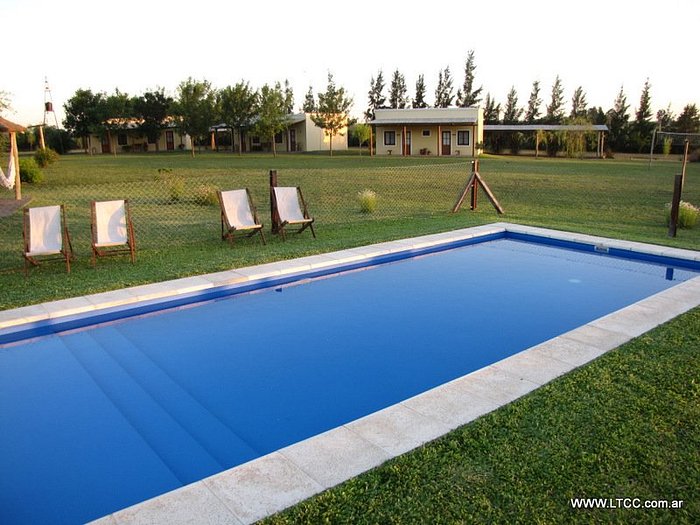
138, 45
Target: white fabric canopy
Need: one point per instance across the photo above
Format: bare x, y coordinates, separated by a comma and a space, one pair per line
110, 223
288, 205
45, 235
237, 209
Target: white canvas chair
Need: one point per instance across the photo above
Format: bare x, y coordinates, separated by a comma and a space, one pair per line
46, 235
238, 214
112, 229
290, 213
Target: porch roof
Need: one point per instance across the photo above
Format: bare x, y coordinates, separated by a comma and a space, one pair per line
545, 127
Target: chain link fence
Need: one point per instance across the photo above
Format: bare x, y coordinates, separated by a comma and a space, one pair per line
180, 209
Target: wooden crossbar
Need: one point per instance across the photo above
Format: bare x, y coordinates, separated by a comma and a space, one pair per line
472, 185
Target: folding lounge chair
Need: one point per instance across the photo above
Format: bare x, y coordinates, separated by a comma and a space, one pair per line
238, 214
46, 235
112, 230
290, 213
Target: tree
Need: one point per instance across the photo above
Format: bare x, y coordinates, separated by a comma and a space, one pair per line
4, 102
689, 120
117, 110
196, 107
555, 108
511, 115
534, 103
333, 110
579, 105
153, 108
84, 115
419, 100
309, 102
642, 127
271, 113
468, 96
288, 98
238, 106
492, 115
362, 133
398, 93
617, 121
443, 93
376, 96
664, 119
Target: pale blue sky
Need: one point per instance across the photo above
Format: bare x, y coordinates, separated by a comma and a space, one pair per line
136, 45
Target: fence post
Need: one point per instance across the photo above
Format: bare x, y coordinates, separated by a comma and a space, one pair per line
475, 185
274, 214
675, 205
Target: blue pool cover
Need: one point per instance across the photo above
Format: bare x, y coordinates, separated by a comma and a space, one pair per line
101, 418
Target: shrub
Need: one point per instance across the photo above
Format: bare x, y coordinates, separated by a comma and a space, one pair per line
30, 172
45, 156
687, 215
368, 201
176, 188
205, 195
666, 147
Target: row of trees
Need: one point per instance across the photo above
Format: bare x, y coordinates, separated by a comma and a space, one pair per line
625, 133
197, 106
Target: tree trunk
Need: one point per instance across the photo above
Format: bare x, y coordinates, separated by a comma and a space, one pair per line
240, 141
330, 142
274, 150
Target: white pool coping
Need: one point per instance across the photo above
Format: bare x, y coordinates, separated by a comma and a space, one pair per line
269, 484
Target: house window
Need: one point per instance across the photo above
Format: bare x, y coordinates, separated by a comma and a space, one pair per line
278, 138
426, 132
121, 139
390, 138
463, 138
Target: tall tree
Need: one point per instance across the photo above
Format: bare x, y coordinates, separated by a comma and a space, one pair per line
492, 111
309, 102
398, 92
617, 121
555, 108
689, 120
333, 110
419, 99
468, 96
377, 100
238, 108
196, 107
665, 118
443, 93
511, 115
534, 103
579, 105
84, 115
643, 126
4, 102
153, 108
362, 133
288, 97
271, 113
118, 111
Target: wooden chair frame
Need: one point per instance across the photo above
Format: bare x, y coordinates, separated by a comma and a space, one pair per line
130, 248
308, 223
228, 231
66, 253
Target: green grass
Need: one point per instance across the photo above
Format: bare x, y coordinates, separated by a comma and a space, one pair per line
627, 425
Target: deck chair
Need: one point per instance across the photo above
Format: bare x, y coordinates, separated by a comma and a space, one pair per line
46, 235
238, 214
290, 213
112, 230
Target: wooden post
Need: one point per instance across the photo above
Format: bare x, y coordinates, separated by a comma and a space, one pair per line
475, 185
371, 138
685, 163
213, 140
42, 143
439, 141
537, 144
274, 213
675, 204
403, 142
15, 153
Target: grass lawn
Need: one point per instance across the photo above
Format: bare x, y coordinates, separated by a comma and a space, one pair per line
624, 426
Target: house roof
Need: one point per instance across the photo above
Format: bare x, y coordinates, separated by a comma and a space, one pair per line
6, 125
291, 119
545, 127
443, 116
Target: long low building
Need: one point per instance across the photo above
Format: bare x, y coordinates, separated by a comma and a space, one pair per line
429, 131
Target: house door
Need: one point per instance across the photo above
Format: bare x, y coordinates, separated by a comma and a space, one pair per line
446, 143
407, 144
169, 141
106, 146
292, 140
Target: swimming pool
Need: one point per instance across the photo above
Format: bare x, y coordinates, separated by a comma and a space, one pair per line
134, 408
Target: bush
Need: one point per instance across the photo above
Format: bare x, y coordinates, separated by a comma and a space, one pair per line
687, 215
368, 201
45, 157
30, 172
205, 195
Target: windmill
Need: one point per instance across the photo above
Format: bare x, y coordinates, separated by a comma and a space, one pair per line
48, 108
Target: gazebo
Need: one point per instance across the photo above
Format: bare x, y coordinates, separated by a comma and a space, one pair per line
12, 129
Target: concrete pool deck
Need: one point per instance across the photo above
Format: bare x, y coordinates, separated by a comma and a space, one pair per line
271, 483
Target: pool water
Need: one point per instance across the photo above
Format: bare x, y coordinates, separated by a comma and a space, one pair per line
101, 418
